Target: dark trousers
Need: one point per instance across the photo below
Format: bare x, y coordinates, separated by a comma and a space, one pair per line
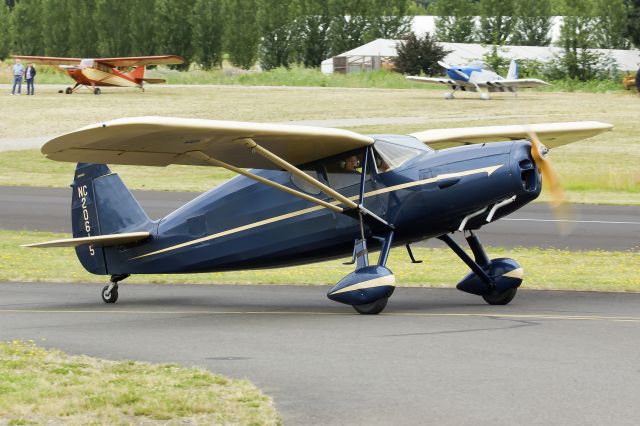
17, 82
29, 86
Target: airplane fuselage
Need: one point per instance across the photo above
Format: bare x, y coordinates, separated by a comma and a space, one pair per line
95, 74
243, 224
476, 75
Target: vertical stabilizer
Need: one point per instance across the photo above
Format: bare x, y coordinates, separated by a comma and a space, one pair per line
101, 205
137, 73
513, 70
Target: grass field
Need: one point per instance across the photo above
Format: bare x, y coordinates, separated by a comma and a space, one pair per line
297, 76
600, 170
42, 386
544, 269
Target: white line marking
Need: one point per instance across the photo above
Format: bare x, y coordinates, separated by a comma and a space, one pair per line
604, 222
292, 313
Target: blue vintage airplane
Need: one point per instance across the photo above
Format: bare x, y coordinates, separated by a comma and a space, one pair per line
305, 194
477, 76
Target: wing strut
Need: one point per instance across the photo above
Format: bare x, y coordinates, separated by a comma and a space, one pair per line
202, 156
254, 147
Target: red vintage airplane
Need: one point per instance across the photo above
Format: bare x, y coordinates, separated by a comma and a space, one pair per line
92, 73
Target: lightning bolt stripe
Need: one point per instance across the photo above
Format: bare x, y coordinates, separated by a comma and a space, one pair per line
488, 170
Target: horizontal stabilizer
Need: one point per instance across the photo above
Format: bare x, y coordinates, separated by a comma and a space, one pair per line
154, 80
99, 241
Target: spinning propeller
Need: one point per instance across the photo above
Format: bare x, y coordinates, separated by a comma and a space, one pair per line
558, 204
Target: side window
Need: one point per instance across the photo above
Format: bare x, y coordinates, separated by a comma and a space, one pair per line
344, 172
304, 185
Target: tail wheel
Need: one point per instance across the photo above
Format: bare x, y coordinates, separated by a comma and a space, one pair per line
373, 308
109, 296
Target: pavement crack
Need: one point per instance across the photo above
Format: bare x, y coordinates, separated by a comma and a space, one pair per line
518, 324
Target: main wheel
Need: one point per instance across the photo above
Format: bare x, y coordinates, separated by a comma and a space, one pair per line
373, 308
501, 298
68, 90
111, 297
97, 91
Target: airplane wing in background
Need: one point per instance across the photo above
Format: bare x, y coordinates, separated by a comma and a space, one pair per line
50, 60
160, 141
453, 84
137, 61
551, 134
516, 84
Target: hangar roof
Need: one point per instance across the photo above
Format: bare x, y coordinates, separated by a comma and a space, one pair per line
463, 53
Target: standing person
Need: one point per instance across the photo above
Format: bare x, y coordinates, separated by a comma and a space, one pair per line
18, 71
29, 76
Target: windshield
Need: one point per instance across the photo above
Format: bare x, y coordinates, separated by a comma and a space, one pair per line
390, 155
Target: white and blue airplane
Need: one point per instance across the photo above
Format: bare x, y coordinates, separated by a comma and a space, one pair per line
477, 76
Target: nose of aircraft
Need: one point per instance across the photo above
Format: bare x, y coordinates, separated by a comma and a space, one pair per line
524, 169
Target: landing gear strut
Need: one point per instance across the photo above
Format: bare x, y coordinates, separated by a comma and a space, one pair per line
110, 292
496, 280
367, 288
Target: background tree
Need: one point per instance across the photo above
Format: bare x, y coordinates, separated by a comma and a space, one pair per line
534, 21
388, 19
173, 34
576, 36
276, 23
142, 29
4, 32
496, 21
207, 25
455, 21
26, 28
419, 55
312, 26
56, 31
242, 34
633, 21
112, 15
349, 24
82, 37
610, 24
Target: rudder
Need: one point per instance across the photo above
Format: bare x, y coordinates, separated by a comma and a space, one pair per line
101, 205
512, 74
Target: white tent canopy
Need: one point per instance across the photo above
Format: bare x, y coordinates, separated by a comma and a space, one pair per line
364, 57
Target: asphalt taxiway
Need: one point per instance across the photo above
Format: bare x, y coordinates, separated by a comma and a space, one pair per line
435, 356
603, 227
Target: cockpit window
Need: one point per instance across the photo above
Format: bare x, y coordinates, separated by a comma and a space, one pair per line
87, 63
304, 185
390, 155
345, 171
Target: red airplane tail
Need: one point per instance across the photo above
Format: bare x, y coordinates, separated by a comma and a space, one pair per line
137, 73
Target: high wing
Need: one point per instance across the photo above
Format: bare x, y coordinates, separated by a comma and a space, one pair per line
136, 61
160, 141
50, 60
551, 134
516, 84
